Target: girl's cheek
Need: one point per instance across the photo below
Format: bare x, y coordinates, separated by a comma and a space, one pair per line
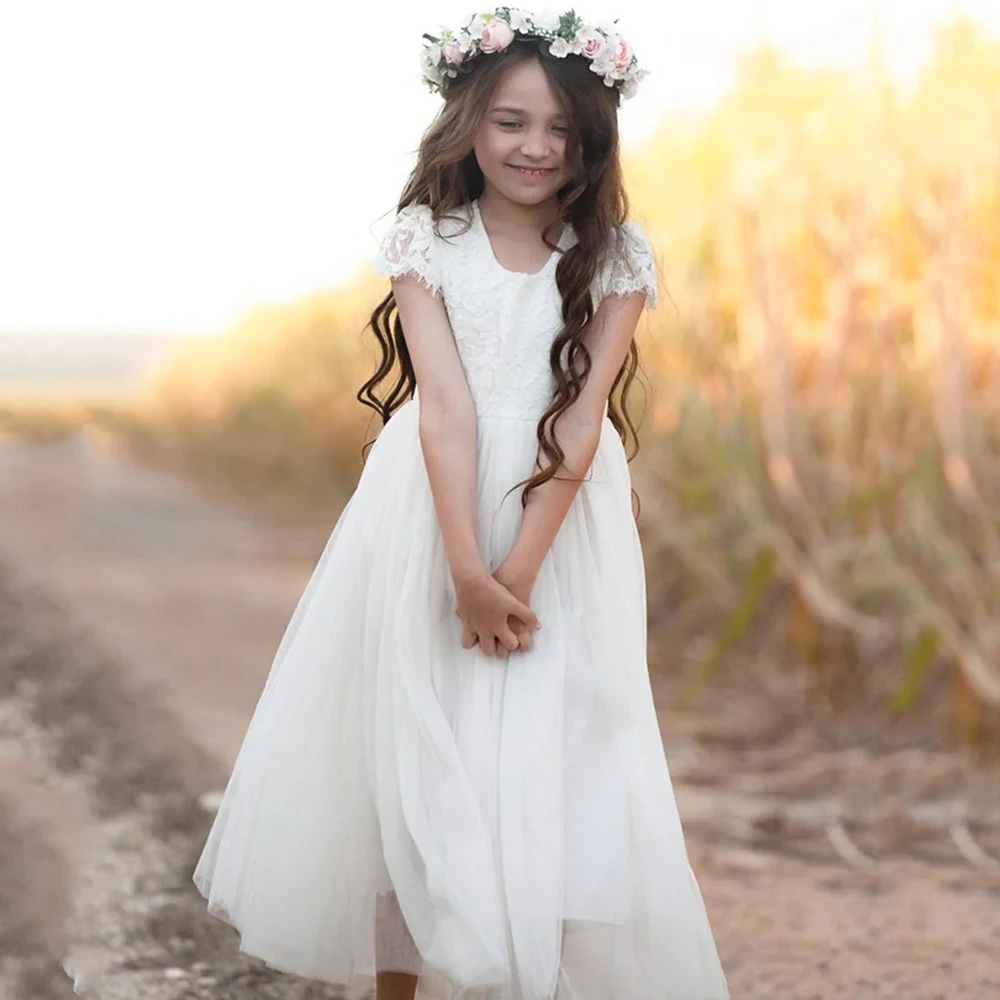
503, 143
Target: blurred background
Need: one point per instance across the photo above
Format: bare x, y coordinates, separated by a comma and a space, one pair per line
190, 195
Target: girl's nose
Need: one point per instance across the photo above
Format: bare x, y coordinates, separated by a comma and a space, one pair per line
534, 145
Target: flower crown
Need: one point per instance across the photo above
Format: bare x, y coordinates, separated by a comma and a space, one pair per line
610, 56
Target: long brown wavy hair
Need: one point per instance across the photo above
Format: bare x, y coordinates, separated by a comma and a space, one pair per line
593, 201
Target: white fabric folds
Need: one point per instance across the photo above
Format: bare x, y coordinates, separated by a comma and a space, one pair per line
506, 830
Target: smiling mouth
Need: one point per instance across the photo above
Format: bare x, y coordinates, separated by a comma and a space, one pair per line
532, 171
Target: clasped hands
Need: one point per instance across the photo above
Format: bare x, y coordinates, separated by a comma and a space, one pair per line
495, 613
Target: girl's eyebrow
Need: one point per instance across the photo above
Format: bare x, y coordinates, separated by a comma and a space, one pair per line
519, 111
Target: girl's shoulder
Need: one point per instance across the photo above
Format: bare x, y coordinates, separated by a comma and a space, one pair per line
414, 242
629, 264
417, 243
417, 220
628, 242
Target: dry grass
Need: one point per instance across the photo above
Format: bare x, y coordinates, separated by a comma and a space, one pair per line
819, 469
44, 421
268, 410
823, 461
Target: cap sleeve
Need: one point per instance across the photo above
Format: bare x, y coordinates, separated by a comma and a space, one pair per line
629, 267
409, 247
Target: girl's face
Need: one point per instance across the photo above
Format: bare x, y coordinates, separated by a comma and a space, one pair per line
524, 127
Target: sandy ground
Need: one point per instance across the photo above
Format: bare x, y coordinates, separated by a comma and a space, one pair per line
138, 619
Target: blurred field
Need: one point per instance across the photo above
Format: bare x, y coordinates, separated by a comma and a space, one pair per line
51, 384
819, 480
820, 463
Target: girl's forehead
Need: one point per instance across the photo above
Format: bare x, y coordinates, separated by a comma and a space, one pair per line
526, 86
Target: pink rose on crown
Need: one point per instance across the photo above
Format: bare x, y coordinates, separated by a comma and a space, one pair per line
608, 54
590, 43
623, 55
453, 55
497, 35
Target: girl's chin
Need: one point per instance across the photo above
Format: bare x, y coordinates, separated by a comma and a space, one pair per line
529, 193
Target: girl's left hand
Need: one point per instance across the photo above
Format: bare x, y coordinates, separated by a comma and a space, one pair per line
520, 585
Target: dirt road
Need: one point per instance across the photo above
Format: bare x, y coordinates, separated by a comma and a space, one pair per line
137, 623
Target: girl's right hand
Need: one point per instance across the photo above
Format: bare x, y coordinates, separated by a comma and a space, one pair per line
484, 605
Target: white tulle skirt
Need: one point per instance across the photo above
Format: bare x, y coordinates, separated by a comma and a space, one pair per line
506, 830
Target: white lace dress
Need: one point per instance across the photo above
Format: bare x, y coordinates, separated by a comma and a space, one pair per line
505, 829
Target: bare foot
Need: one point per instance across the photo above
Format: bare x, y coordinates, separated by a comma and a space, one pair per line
395, 986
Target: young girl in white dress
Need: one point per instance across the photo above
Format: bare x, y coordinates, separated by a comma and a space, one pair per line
453, 784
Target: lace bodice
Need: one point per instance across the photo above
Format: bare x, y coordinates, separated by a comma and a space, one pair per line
504, 321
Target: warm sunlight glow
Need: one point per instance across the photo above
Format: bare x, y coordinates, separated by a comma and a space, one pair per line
168, 167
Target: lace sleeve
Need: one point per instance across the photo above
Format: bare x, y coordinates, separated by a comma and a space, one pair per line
408, 247
630, 266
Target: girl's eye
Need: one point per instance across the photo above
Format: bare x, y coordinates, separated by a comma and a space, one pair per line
561, 129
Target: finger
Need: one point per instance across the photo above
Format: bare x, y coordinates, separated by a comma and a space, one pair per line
508, 638
488, 645
523, 634
520, 628
468, 638
525, 613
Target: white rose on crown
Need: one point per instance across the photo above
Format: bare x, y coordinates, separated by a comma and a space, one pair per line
547, 20
520, 20
488, 32
605, 61
478, 24
430, 58
560, 48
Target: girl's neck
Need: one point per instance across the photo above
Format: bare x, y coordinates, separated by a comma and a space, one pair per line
510, 218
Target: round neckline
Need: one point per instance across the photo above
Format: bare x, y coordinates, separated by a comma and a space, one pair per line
492, 253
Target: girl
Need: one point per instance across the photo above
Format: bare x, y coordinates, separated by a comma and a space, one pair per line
454, 783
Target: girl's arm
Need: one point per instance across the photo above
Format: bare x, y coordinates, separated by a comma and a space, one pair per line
578, 432
448, 437
448, 430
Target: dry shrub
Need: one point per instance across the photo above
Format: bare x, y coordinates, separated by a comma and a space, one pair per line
823, 458
819, 472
